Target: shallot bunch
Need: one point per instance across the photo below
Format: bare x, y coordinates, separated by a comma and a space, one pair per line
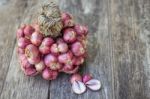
47, 55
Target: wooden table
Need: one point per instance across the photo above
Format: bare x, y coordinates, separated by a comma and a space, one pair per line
119, 50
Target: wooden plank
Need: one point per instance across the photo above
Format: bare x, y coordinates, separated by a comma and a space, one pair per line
94, 14
141, 24
18, 86
8, 18
129, 50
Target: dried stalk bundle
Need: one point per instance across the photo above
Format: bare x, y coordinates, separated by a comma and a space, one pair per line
49, 20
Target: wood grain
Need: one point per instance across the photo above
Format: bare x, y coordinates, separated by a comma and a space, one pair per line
9, 16
128, 49
17, 85
118, 48
141, 24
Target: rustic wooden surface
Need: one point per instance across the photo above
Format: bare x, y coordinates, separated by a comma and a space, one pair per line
119, 50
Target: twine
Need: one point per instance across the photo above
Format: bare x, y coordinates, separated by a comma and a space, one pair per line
49, 20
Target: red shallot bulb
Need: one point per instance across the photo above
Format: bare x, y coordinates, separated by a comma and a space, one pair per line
47, 41
68, 23
46, 45
54, 49
23, 42
36, 38
55, 66
77, 49
86, 78
40, 66
65, 16
62, 47
65, 58
72, 71
24, 62
32, 54
20, 50
31, 51
34, 60
81, 30
28, 30
31, 71
49, 74
78, 60
44, 49
75, 77
50, 59
69, 35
